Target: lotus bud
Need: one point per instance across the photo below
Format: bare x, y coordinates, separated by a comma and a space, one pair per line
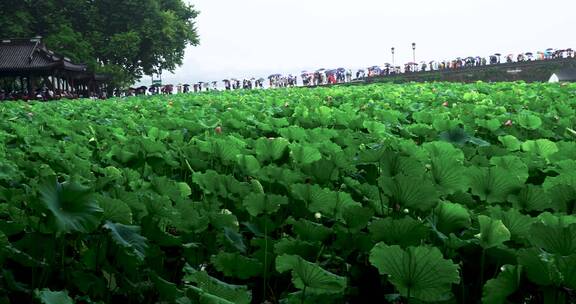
318, 215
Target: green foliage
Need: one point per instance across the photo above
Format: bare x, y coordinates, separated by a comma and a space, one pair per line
418, 272
309, 276
302, 198
72, 206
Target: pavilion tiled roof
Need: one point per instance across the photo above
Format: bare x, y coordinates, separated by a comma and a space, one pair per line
31, 55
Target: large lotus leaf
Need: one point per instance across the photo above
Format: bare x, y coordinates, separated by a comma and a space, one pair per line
357, 217
310, 231
455, 136
376, 128
214, 291
541, 147
309, 275
419, 272
296, 247
259, 203
529, 121
225, 149
168, 291
510, 142
513, 165
47, 296
413, 192
192, 217
248, 164
328, 202
115, 210
304, 154
404, 232
236, 239
492, 184
497, 290
567, 267
294, 133
563, 198
438, 149
128, 237
448, 175
392, 164
517, 223
554, 238
531, 198
451, 217
540, 268
236, 265
270, 149
72, 205
492, 232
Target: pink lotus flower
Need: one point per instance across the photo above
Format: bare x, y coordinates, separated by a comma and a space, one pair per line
508, 123
445, 104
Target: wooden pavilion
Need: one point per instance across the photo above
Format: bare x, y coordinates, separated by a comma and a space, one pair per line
26, 65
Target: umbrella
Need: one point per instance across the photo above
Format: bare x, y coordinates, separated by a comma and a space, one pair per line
320, 70
497, 54
411, 63
341, 69
549, 49
528, 54
186, 85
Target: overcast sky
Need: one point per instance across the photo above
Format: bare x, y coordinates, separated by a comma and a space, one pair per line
253, 38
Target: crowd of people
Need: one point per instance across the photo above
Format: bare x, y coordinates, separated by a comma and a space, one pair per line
343, 75
47, 94
314, 78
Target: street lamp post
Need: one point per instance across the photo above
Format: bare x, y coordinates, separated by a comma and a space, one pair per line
414, 52
393, 57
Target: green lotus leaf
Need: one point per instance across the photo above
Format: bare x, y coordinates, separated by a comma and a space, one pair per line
492, 184
539, 267
47, 296
497, 290
72, 205
259, 203
455, 136
451, 217
309, 275
529, 121
412, 192
268, 149
236, 265
310, 231
418, 272
513, 165
235, 239
304, 154
128, 237
534, 198
541, 147
248, 164
404, 232
115, 210
213, 291
440, 150
510, 142
567, 267
492, 232
555, 238
517, 223
448, 175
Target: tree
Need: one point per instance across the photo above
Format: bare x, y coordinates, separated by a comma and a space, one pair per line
127, 39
